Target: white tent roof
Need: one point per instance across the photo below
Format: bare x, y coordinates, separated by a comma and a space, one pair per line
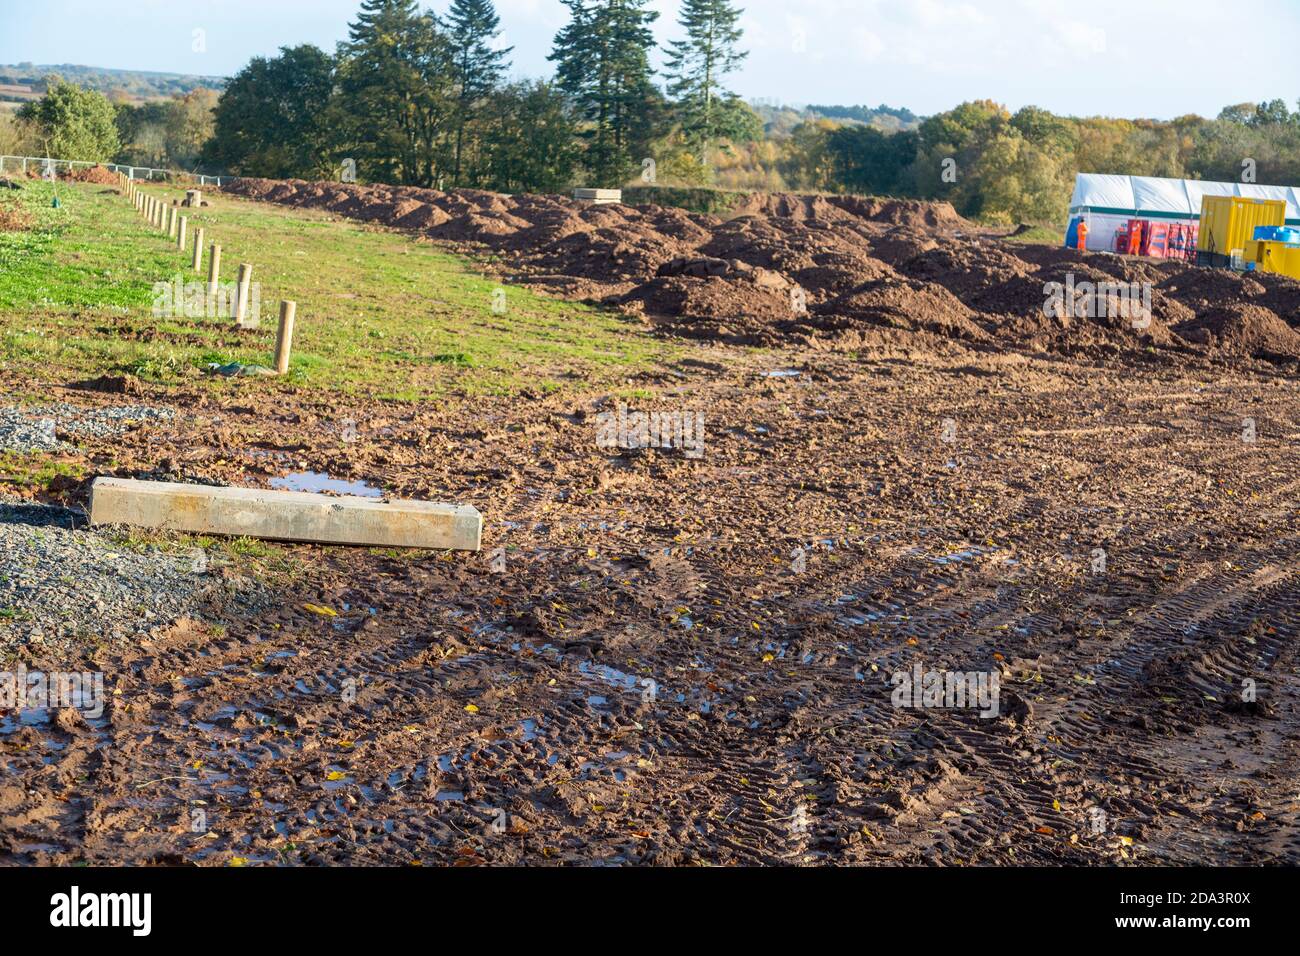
1141, 196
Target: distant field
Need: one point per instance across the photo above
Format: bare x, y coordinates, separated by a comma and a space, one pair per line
379, 313
9, 91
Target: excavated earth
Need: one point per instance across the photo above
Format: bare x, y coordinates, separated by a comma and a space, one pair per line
673, 660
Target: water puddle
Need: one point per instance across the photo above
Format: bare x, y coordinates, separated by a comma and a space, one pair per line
316, 481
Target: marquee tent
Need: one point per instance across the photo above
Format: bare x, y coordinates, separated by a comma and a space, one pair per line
1108, 201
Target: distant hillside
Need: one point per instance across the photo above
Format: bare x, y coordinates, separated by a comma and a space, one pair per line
882, 117
27, 81
779, 119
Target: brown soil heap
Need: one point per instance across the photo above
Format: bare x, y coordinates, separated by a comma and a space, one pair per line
788, 267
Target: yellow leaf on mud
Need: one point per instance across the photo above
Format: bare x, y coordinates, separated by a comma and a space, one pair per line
322, 611
1056, 805
471, 708
335, 775
768, 657
238, 861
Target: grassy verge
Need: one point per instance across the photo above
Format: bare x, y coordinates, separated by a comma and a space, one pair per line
379, 313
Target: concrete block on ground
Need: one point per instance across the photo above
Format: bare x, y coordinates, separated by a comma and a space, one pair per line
284, 515
599, 195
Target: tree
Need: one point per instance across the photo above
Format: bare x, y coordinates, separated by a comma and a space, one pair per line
531, 145
273, 118
1272, 113
808, 162
696, 67
72, 123
869, 161
602, 58
397, 94
190, 124
472, 26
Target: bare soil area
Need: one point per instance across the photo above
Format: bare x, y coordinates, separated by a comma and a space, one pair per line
668, 660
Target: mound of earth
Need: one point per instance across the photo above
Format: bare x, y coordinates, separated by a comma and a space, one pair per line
901, 304
734, 308
899, 246
1243, 329
1281, 295
859, 264
1202, 289
99, 175
909, 213
965, 270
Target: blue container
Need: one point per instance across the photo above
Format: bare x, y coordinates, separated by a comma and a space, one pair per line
1285, 234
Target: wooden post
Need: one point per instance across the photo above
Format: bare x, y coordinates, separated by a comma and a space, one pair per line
180, 234
198, 249
214, 268
241, 292
284, 336
173, 221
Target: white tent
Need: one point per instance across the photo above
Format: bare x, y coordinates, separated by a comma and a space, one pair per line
1107, 202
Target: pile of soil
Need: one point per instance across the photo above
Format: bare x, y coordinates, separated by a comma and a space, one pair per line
859, 263
733, 308
902, 304
1241, 330
98, 175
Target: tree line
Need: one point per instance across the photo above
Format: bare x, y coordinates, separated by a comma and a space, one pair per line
418, 98
422, 99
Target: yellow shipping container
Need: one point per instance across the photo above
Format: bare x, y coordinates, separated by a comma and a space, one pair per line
1229, 222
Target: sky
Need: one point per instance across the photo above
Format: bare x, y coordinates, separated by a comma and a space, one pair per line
1134, 58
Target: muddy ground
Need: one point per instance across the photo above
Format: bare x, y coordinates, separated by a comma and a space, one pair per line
685, 660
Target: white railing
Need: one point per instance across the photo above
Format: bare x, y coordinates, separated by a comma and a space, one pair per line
132, 172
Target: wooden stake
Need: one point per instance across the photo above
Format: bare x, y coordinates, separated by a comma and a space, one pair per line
180, 233
214, 268
284, 336
241, 303
198, 249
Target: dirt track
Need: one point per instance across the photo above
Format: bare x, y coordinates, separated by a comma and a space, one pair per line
949, 499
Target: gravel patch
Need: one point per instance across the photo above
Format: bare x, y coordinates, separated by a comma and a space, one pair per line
64, 587
38, 428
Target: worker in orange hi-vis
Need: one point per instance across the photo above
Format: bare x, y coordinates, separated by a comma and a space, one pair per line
1082, 244
1135, 239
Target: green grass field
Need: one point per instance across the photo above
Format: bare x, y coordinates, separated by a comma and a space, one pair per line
379, 314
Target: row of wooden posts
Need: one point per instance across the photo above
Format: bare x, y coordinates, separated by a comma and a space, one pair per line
167, 218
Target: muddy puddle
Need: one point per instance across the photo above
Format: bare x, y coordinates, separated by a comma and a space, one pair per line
319, 482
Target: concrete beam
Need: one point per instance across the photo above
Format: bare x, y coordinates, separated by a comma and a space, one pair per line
599, 195
284, 515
